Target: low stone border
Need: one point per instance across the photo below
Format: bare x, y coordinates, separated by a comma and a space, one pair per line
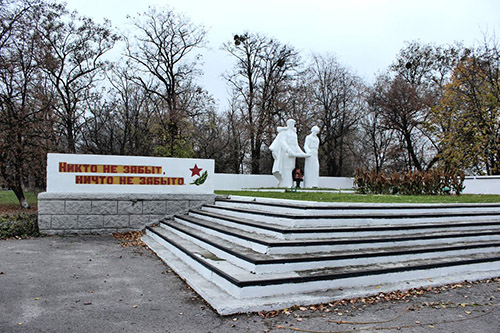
85, 213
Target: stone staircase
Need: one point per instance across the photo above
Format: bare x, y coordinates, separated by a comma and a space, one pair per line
250, 254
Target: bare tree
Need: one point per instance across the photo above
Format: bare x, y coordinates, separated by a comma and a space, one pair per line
407, 95
378, 141
237, 146
338, 96
132, 113
12, 13
25, 119
259, 79
100, 128
72, 52
404, 112
162, 55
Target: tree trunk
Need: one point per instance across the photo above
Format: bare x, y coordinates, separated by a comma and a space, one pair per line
18, 191
411, 151
256, 160
70, 137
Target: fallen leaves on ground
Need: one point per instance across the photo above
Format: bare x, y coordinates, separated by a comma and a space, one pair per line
14, 208
380, 297
399, 327
437, 305
130, 238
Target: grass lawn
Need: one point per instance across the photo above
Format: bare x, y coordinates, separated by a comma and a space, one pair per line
354, 197
9, 198
10, 204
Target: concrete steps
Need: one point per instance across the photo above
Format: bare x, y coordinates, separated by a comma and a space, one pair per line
294, 232
242, 263
349, 216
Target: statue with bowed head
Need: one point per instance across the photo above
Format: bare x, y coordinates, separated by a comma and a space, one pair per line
285, 149
311, 167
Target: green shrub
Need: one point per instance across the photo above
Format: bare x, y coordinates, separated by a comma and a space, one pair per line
432, 182
19, 225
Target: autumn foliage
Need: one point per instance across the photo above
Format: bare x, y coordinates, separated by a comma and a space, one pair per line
62, 90
431, 182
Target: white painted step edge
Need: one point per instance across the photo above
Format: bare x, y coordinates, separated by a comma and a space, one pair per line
311, 286
225, 304
290, 267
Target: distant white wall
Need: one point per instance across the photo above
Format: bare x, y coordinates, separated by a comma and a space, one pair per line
229, 181
225, 181
482, 185
336, 182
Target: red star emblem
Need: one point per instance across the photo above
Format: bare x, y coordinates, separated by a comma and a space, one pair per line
195, 170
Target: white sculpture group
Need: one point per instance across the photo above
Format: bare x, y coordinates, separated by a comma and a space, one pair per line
285, 150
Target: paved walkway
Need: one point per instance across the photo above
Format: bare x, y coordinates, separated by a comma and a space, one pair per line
92, 284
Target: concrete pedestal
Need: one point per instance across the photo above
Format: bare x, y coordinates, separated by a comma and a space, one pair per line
86, 213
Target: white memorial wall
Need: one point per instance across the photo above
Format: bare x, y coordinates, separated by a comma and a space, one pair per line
105, 194
78, 173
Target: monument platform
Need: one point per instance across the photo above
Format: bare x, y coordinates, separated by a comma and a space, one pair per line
251, 254
106, 193
84, 213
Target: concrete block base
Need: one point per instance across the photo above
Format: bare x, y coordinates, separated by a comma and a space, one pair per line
90, 213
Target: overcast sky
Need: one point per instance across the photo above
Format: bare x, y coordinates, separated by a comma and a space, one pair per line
365, 35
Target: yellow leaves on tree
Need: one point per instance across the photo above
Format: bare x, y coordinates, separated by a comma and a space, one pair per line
468, 116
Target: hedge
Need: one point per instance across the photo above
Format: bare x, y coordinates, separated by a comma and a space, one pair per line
19, 225
432, 182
